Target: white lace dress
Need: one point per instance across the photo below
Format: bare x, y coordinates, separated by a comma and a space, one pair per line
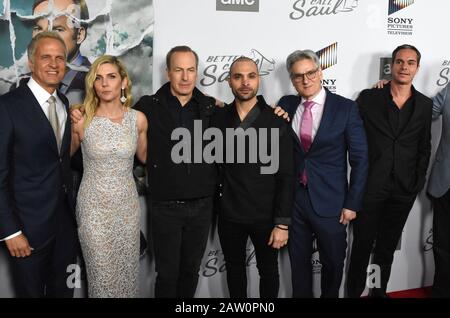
108, 209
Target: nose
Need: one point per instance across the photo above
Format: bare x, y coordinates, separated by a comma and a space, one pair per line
305, 79
53, 63
245, 81
104, 82
184, 76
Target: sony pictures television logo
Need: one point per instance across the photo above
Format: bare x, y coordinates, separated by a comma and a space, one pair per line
237, 5
399, 25
217, 67
328, 58
312, 8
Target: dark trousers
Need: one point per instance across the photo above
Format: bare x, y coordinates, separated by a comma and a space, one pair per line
179, 235
441, 246
233, 240
331, 242
381, 220
44, 272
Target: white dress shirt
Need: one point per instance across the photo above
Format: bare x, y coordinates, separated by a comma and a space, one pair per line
42, 97
316, 111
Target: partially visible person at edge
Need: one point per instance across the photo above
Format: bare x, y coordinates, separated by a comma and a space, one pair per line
37, 219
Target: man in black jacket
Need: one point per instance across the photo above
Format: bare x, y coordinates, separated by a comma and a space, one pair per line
181, 195
397, 120
257, 194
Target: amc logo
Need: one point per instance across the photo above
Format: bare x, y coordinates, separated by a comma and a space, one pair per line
237, 5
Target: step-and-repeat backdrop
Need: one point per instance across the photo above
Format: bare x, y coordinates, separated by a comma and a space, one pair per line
354, 39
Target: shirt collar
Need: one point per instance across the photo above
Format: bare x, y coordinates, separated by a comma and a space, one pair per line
319, 99
39, 92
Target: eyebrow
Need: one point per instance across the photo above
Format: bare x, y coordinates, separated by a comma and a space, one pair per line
251, 73
113, 73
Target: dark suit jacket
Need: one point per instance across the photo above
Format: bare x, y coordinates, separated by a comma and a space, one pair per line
340, 133
33, 175
407, 154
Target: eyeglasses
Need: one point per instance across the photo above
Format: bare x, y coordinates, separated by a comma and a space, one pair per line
311, 75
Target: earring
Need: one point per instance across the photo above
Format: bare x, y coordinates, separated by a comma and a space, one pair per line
123, 99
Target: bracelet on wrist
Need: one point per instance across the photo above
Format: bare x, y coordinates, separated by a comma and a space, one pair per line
282, 228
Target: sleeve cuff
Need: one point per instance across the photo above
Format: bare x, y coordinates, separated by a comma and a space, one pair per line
11, 236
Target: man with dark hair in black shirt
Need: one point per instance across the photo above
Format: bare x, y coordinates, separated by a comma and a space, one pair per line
397, 120
257, 194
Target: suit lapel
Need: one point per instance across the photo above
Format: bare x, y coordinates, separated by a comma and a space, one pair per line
67, 130
382, 110
36, 116
327, 118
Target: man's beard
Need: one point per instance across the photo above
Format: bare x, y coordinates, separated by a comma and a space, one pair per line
244, 98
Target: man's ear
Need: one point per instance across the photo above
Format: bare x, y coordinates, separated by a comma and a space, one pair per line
81, 35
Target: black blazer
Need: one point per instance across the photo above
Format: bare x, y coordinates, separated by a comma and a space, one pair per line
33, 175
405, 155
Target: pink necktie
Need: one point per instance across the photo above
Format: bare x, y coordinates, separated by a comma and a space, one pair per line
306, 126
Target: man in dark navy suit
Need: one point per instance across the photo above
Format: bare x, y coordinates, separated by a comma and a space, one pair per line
328, 129
36, 207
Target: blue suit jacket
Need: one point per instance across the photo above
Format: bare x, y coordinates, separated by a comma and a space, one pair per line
34, 176
340, 134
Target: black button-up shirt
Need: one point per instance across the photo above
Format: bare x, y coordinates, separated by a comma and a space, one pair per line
399, 117
184, 116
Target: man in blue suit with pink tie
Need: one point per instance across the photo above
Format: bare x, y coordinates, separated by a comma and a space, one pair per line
329, 130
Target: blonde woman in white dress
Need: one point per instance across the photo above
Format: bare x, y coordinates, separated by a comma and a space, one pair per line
110, 134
